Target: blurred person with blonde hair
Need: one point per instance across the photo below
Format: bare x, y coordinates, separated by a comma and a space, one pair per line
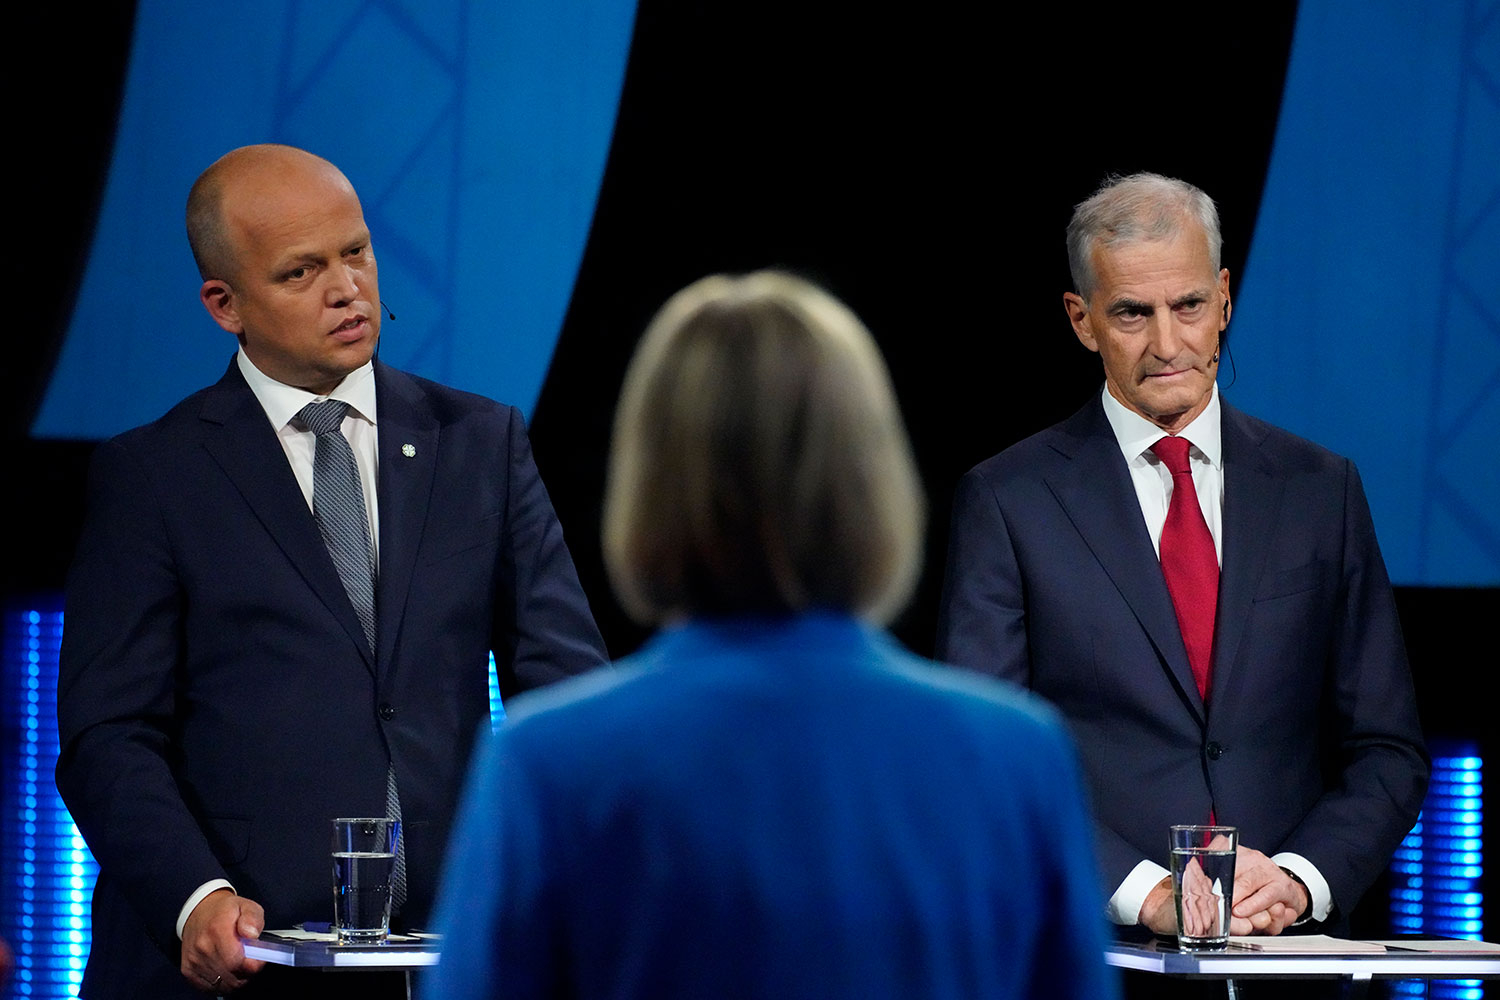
771, 799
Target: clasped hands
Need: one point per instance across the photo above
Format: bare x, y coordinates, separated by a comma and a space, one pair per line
1266, 899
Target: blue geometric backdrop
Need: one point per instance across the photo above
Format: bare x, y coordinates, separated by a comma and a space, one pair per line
1369, 318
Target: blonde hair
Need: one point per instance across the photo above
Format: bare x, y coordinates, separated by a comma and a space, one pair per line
759, 462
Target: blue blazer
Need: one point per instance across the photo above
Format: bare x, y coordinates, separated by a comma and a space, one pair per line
774, 808
1309, 742
217, 703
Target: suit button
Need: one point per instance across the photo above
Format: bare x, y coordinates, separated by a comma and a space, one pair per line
387, 712
1215, 750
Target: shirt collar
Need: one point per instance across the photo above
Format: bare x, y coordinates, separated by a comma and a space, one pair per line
282, 402
1135, 434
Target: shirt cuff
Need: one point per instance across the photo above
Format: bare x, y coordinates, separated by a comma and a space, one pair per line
1124, 907
213, 885
1317, 886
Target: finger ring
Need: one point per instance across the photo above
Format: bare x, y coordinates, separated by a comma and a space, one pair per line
217, 981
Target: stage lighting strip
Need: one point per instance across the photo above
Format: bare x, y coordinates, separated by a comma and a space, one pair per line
46, 871
1437, 870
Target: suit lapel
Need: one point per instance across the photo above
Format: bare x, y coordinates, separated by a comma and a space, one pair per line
240, 439
1096, 493
1252, 495
408, 434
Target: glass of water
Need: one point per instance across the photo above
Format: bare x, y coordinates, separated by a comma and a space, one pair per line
1203, 884
364, 857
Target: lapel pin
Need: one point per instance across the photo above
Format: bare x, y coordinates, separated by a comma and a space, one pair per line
409, 450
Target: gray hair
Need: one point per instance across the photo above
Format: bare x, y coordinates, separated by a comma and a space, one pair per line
759, 462
1138, 208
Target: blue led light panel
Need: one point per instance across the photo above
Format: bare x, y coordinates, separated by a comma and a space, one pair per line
46, 872
1437, 872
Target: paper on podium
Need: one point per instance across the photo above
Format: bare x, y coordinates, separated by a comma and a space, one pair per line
298, 934
1445, 947
1304, 944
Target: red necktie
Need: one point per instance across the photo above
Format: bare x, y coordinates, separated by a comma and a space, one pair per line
1188, 562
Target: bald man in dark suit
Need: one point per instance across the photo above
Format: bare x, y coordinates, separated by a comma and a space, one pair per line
228, 684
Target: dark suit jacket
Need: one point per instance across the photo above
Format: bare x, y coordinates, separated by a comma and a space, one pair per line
1310, 740
217, 704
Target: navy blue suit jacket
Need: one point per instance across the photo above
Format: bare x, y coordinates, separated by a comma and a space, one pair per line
1309, 741
217, 703
774, 808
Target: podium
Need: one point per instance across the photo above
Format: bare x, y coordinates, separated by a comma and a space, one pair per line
1408, 959
320, 952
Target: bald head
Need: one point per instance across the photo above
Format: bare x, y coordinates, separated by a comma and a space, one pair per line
281, 241
231, 186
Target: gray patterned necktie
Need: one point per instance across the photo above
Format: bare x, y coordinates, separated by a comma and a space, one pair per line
339, 509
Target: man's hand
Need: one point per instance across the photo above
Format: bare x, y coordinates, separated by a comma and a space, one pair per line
1202, 902
212, 957
1199, 905
1159, 912
1266, 899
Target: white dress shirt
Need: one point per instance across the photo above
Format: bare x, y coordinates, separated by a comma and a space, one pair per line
282, 402
1153, 489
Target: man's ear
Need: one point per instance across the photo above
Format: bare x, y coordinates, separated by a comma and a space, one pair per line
1078, 316
218, 298
1224, 292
